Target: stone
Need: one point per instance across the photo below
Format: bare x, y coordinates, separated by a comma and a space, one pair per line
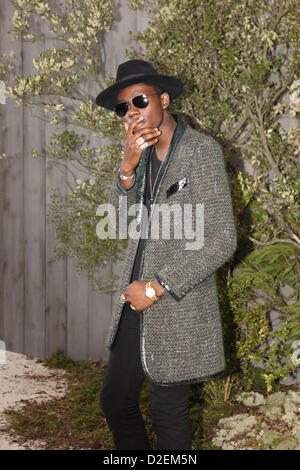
236, 445
240, 423
242, 431
269, 438
251, 399
221, 438
286, 444
232, 427
296, 432
271, 412
290, 417
276, 399
294, 396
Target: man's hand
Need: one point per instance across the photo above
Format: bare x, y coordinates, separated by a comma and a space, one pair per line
136, 294
133, 151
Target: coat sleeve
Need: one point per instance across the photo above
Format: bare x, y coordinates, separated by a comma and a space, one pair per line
121, 198
188, 267
118, 189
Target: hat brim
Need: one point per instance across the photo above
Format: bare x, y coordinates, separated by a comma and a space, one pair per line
108, 98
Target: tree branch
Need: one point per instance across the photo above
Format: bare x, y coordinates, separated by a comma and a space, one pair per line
272, 242
237, 128
260, 128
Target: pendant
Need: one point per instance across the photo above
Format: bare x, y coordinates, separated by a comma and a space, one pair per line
150, 205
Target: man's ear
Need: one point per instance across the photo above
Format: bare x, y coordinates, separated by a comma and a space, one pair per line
165, 100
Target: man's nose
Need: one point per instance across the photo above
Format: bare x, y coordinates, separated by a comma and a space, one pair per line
133, 111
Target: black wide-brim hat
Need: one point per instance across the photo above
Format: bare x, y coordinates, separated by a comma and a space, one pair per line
137, 71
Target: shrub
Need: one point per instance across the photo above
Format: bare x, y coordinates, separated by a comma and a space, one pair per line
238, 60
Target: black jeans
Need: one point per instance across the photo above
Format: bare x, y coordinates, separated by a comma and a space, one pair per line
119, 399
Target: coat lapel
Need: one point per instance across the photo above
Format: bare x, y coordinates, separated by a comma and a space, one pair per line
141, 170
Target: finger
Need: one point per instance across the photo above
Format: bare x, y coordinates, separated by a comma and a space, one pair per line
127, 292
145, 136
133, 124
145, 130
148, 143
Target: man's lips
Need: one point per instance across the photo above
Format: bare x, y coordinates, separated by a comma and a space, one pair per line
140, 125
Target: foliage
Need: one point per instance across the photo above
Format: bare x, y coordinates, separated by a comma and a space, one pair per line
257, 289
238, 60
62, 93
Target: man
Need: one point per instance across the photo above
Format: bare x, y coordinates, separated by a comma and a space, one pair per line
166, 322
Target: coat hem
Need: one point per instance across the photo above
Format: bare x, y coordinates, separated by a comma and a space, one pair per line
205, 378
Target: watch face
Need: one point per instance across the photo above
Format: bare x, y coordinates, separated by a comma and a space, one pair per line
150, 292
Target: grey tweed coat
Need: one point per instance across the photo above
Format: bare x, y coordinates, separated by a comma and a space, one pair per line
181, 335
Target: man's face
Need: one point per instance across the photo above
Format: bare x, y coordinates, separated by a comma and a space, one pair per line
153, 114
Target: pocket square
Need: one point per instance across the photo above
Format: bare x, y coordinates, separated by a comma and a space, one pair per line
176, 186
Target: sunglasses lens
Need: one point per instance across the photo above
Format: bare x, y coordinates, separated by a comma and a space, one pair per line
121, 109
141, 101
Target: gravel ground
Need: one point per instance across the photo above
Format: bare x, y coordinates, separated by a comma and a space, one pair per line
25, 379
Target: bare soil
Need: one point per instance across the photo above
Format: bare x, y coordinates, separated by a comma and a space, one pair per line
24, 379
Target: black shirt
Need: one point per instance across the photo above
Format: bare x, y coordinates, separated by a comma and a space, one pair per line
155, 167
179, 130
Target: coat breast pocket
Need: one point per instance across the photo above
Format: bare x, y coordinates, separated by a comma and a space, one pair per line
177, 186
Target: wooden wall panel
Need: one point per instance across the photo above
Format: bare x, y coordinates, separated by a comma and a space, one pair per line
45, 304
12, 203
55, 271
34, 217
56, 293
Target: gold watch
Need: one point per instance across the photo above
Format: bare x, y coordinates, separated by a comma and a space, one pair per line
150, 292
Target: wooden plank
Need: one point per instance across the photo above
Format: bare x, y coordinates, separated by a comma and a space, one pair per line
142, 22
77, 298
12, 243
34, 218
99, 319
56, 271
2, 165
2, 196
116, 40
78, 314
99, 305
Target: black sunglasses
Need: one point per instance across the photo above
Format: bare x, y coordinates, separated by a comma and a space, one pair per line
140, 101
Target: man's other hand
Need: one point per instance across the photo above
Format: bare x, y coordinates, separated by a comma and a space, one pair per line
136, 294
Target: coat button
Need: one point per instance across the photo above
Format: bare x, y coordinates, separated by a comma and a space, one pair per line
138, 228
